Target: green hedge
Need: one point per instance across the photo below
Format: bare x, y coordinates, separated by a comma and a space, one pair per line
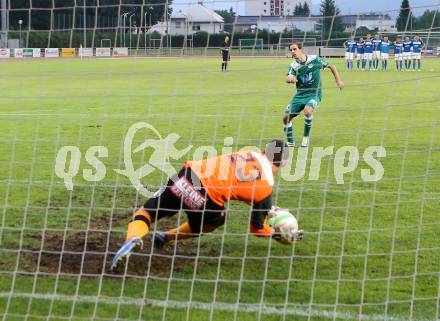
40, 39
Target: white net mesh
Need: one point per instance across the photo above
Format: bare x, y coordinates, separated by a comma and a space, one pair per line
371, 249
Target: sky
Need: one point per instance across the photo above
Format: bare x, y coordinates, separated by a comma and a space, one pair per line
346, 6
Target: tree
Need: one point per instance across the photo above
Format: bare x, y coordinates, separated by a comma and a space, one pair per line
331, 21
228, 17
428, 20
403, 23
306, 9
301, 10
157, 9
297, 11
107, 10
362, 31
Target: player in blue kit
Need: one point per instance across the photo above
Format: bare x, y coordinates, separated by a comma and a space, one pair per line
407, 47
368, 50
418, 46
350, 49
376, 50
360, 49
398, 53
347, 54
385, 52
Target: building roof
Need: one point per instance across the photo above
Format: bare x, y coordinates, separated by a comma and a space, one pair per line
247, 20
349, 19
374, 16
198, 13
250, 20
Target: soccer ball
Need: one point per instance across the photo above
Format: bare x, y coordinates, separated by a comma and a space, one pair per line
285, 226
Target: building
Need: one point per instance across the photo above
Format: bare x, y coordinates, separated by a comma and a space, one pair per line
272, 7
371, 21
349, 22
379, 22
197, 18
277, 23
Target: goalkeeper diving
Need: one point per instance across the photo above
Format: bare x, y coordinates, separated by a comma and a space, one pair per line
201, 189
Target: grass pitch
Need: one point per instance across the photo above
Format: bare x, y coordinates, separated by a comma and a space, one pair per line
369, 248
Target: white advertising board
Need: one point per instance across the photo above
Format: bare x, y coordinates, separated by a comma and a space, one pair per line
5, 53
18, 53
85, 52
51, 52
120, 51
103, 52
36, 52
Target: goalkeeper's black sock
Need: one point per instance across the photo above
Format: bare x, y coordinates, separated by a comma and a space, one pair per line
226, 66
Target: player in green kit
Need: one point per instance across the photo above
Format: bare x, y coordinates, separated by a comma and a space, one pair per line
305, 72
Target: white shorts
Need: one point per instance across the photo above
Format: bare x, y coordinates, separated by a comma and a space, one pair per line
347, 55
407, 55
417, 55
398, 56
359, 56
376, 54
384, 56
368, 55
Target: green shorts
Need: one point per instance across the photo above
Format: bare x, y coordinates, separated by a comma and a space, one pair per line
298, 103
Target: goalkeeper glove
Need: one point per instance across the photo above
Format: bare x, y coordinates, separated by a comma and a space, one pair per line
265, 231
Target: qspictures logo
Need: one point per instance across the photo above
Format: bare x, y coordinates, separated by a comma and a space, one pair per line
159, 151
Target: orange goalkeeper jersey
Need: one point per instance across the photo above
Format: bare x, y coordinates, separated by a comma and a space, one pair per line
245, 176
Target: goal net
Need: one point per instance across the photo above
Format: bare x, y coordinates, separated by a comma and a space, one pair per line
86, 142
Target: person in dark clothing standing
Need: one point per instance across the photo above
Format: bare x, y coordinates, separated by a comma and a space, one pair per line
225, 53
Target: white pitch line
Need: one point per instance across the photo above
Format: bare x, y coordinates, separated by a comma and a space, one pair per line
32, 112
252, 308
34, 115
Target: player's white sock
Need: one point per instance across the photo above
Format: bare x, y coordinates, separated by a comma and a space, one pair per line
305, 141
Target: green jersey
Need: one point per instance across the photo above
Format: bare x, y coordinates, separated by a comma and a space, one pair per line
308, 74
